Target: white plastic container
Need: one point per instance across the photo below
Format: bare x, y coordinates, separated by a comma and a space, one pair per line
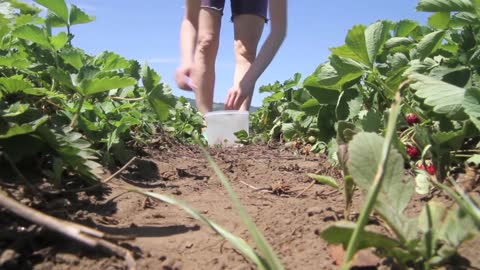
221, 126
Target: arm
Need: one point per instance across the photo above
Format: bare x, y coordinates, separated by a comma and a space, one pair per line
188, 39
278, 21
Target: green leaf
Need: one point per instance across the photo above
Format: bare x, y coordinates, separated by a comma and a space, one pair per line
341, 231
398, 60
429, 44
445, 5
54, 21
325, 76
458, 76
74, 57
326, 180
90, 87
32, 33
404, 27
161, 102
78, 16
322, 95
14, 84
74, 151
439, 20
445, 98
149, 78
14, 61
347, 70
396, 190
27, 19
62, 77
346, 52
295, 115
471, 105
366, 42
111, 61
326, 122
349, 104
372, 122
451, 139
15, 129
288, 130
464, 18
59, 7
133, 70
15, 110
417, 66
375, 36
355, 40
457, 227
59, 40
397, 41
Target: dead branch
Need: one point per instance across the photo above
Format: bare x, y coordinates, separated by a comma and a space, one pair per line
104, 181
88, 236
307, 188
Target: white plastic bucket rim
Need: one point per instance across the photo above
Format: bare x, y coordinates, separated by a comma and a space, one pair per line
225, 112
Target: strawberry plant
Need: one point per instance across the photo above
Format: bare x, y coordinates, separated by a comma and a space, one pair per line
422, 242
75, 110
439, 62
286, 113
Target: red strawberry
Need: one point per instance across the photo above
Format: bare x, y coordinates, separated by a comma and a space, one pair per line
421, 166
412, 118
431, 169
412, 151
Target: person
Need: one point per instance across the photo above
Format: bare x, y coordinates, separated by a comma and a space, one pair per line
188, 39
197, 70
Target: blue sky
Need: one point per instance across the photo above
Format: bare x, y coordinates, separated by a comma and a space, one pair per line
148, 30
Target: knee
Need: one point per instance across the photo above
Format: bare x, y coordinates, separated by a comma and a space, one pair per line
207, 44
245, 51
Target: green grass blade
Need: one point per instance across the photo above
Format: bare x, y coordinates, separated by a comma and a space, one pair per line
462, 199
326, 180
376, 185
266, 250
236, 242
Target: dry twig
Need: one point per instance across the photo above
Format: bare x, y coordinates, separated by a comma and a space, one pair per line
88, 236
307, 188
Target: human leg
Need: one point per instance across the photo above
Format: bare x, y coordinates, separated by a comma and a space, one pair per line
248, 29
203, 75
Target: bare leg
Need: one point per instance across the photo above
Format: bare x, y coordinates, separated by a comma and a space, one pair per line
248, 30
203, 75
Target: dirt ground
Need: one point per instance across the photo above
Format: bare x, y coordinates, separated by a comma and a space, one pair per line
168, 238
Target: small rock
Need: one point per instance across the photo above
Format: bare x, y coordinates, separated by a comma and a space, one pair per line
314, 211
188, 245
177, 192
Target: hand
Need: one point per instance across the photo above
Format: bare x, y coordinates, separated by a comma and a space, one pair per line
237, 95
182, 77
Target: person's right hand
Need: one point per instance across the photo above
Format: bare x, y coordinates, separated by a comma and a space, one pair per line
182, 77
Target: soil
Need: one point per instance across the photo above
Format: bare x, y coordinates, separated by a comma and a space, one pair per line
168, 238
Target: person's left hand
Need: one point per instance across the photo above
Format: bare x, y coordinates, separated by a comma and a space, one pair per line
237, 95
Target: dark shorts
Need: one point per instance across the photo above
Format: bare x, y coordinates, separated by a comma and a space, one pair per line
256, 7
